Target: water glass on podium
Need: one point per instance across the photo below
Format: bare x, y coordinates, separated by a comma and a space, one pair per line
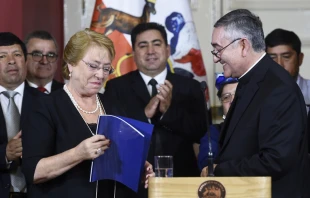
163, 166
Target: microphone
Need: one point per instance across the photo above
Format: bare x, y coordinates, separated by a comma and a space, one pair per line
203, 86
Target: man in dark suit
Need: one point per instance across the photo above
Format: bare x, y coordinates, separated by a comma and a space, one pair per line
264, 133
42, 61
284, 47
12, 76
177, 110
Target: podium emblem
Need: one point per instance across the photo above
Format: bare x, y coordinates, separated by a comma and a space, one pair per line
211, 189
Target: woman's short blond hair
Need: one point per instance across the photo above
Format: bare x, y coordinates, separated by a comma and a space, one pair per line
78, 45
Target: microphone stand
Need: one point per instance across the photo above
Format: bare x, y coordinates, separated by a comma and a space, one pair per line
210, 153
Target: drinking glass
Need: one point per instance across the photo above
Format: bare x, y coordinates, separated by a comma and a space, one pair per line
163, 166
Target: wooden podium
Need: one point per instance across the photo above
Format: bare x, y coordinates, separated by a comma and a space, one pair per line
223, 187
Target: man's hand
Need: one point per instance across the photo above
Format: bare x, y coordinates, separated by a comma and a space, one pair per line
14, 147
147, 174
163, 99
204, 172
164, 95
151, 107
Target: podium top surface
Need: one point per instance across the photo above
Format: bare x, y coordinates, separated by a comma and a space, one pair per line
221, 187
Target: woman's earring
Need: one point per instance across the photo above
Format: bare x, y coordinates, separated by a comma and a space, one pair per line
70, 74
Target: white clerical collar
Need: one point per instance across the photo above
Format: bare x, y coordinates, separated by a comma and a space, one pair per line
252, 65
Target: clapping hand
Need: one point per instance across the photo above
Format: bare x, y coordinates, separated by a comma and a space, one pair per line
162, 99
14, 147
164, 95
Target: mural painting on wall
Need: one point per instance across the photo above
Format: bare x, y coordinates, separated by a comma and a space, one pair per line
116, 19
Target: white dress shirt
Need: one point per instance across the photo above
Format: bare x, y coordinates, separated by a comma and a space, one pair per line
160, 78
18, 98
304, 85
48, 86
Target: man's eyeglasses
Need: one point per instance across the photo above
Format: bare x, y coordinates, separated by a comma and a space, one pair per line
38, 56
228, 97
217, 53
94, 68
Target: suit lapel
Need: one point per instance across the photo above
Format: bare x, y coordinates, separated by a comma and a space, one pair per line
242, 104
139, 87
3, 133
56, 85
244, 99
225, 124
26, 105
170, 77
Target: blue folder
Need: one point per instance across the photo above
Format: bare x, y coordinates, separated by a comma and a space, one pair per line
124, 160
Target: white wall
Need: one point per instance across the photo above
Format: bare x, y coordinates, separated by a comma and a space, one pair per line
205, 15
77, 16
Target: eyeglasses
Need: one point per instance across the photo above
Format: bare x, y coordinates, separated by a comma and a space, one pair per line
228, 97
38, 56
94, 68
216, 53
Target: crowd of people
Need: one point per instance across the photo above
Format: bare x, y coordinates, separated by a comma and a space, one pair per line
48, 129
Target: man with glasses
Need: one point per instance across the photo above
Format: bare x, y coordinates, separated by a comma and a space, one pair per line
217, 53
42, 61
264, 133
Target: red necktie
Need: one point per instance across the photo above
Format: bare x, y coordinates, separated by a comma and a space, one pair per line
42, 89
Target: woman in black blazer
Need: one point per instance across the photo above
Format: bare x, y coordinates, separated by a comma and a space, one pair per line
59, 141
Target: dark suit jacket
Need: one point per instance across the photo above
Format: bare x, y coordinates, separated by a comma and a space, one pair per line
56, 85
264, 134
57, 127
183, 124
30, 94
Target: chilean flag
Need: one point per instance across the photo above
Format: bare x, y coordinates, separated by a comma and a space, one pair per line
116, 19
